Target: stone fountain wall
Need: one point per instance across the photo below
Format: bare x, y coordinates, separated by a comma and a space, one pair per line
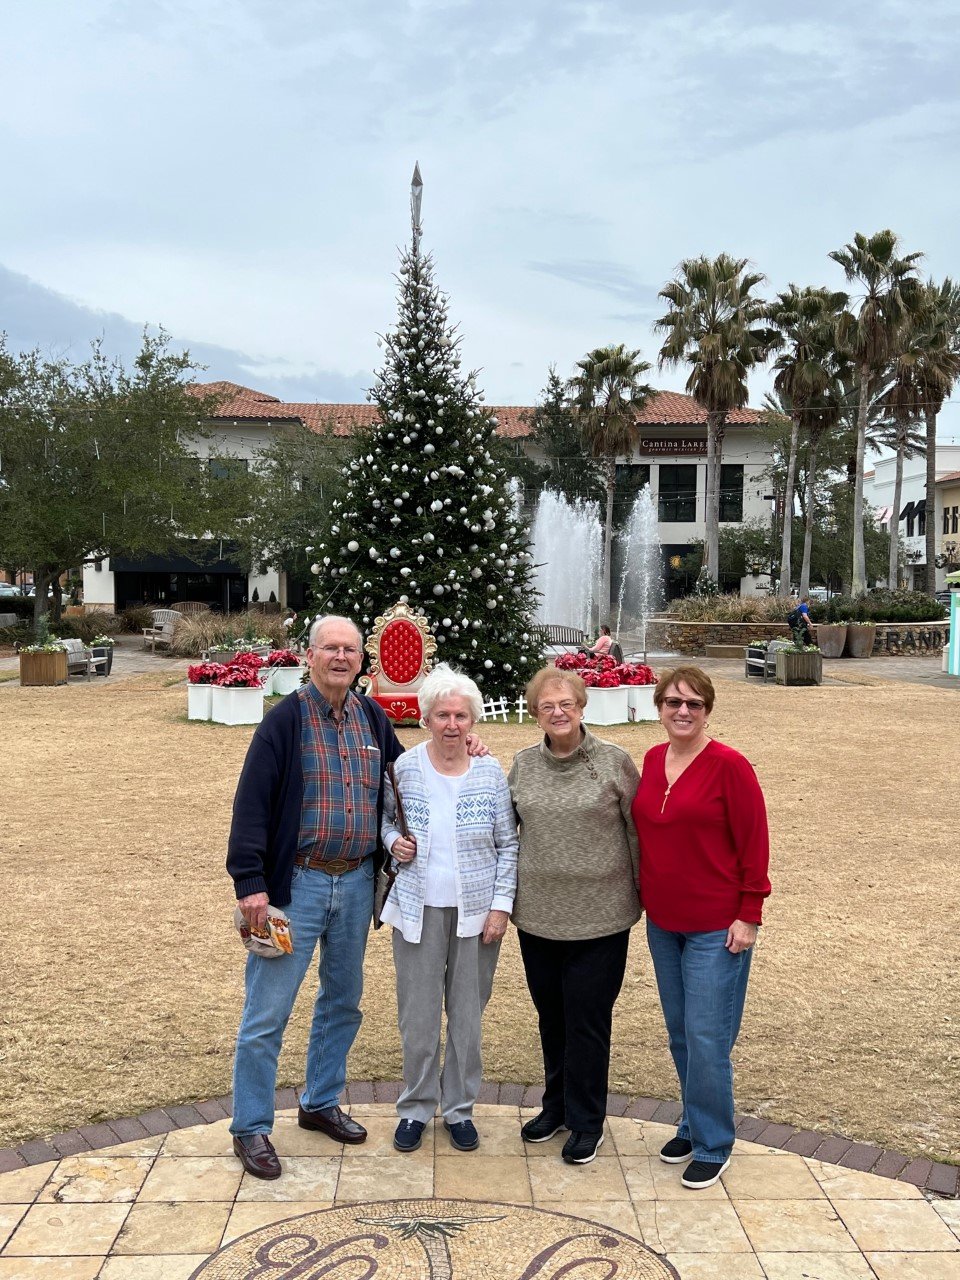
667, 635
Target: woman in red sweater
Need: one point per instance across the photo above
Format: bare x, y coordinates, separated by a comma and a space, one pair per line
704, 850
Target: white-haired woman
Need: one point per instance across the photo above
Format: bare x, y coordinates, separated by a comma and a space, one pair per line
449, 907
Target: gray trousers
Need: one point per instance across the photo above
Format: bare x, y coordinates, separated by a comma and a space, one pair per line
441, 969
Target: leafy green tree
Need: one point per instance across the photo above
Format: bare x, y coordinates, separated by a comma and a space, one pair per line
96, 460
891, 293
425, 513
294, 481
744, 548
715, 327
570, 468
607, 395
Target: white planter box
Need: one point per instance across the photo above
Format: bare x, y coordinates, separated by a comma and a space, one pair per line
236, 706
287, 679
198, 701
266, 681
640, 702
606, 706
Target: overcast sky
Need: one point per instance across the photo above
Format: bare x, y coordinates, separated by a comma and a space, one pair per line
239, 171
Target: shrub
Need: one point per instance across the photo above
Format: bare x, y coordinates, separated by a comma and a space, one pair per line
137, 616
731, 608
879, 606
87, 625
197, 632
22, 606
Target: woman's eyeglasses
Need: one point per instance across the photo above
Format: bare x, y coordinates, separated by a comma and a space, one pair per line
692, 704
548, 708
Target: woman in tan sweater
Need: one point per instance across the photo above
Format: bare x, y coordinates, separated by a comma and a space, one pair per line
576, 902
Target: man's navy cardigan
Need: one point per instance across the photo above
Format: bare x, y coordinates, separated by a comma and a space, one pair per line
266, 809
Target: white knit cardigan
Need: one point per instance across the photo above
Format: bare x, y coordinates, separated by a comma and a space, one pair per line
486, 845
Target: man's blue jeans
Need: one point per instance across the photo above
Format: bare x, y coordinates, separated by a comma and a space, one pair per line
702, 989
335, 912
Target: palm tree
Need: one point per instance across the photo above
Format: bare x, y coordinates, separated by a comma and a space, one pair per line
937, 371
891, 293
606, 396
902, 400
714, 327
805, 320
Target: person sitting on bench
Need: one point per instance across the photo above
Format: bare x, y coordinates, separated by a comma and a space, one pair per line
601, 646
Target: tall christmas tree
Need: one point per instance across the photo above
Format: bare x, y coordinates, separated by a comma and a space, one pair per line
426, 515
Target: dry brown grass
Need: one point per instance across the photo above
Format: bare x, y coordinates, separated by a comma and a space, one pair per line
124, 984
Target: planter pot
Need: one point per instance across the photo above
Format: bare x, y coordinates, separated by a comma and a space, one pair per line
287, 679
236, 706
606, 706
103, 651
640, 702
199, 701
860, 638
831, 638
266, 681
805, 667
43, 668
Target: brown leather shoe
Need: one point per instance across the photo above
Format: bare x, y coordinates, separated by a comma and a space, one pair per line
334, 1123
255, 1152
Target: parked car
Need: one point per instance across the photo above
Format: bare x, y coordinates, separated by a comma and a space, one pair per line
8, 589
943, 597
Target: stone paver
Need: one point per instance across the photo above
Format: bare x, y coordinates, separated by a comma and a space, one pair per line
163, 1210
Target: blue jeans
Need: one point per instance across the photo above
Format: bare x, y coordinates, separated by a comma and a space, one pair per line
702, 990
334, 911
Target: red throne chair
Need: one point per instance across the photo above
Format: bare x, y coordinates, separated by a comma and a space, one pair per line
401, 649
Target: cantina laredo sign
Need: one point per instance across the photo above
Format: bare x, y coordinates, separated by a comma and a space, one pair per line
675, 444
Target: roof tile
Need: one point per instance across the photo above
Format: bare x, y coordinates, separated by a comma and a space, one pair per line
514, 422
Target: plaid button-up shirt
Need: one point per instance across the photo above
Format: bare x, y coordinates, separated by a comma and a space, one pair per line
341, 778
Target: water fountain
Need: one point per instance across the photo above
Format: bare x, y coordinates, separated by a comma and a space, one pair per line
641, 582
568, 552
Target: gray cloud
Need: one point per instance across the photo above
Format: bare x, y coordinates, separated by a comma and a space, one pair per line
32, 316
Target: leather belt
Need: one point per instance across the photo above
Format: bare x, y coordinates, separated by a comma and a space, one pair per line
335, 866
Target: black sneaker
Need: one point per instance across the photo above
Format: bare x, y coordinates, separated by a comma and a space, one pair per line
703, 1173
541, 1128
409, 1135
581, 1148
463, 1135
676, 1151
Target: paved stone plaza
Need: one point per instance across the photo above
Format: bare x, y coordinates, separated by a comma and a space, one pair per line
178, 1205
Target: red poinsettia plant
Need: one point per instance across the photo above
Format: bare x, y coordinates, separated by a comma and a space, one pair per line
240, 675
281, 658
250, 661
606, 672
205, 672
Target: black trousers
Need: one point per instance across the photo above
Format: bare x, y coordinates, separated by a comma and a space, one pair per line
574, 986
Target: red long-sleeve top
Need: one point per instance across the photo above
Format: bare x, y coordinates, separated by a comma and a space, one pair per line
704, 847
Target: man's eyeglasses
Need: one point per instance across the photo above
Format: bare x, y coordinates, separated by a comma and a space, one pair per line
692, 704
548, 708
334, 650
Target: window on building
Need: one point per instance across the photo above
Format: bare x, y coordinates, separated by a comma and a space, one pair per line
921, 520
677, 499
633, 474
731, 492
946, 519
907, 513
227, 468
954, 518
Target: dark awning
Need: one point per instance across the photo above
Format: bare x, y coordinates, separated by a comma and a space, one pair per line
194, 558
909, 510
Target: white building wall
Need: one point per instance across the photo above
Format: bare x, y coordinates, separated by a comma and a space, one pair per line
878, 489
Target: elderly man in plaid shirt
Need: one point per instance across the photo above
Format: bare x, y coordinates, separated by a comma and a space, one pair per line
305, 837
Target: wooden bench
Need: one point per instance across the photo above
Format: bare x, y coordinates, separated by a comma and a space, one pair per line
553, 633
164, 621
80, 659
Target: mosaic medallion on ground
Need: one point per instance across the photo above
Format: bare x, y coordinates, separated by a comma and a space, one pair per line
435, 1240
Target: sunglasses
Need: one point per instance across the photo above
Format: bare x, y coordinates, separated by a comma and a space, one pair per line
692, 704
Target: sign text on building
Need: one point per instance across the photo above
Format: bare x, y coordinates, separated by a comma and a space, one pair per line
676, 444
